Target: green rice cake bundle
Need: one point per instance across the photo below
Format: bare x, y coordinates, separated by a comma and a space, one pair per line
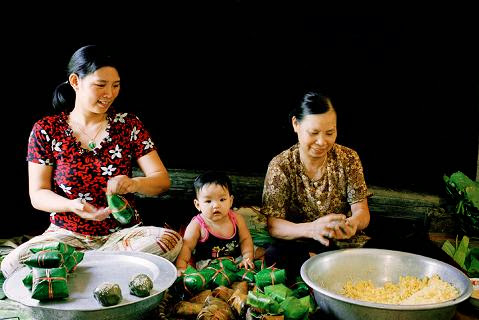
56, 245
73, 260
293, 309
259, 265
263, 303
46, 259
222, 276
308, 302
300, 288
227, 263
270, 276
279, 292
28, 280
246, 275
121, 209
49, 284
195, 281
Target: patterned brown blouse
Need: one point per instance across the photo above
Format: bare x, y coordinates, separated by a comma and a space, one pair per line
290, 194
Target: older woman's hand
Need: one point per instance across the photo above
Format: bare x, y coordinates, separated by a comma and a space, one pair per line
326, 227
344, 229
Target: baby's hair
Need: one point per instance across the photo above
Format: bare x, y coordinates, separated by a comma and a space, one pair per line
213, 177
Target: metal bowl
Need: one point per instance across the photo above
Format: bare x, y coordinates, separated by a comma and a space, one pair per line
326, 274
98, 267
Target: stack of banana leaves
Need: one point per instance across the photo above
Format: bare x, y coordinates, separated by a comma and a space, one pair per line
466, 194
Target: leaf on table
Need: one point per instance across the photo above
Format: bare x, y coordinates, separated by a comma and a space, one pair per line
448, 248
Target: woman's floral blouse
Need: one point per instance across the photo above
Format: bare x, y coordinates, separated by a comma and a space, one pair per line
290, 194
82, 173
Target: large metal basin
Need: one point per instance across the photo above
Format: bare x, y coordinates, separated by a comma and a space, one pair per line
98, 267
326, 274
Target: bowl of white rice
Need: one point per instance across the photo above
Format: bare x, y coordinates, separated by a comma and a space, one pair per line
380, 284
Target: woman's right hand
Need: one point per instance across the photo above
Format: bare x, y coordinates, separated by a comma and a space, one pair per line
89, 212
324, 228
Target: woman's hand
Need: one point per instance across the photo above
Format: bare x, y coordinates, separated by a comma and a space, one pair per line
88, 212
344, 229
326, 227
121, 184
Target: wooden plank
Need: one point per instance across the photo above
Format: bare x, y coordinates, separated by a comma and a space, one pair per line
248, 191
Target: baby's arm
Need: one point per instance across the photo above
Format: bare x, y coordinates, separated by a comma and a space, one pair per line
192, 234
246, 243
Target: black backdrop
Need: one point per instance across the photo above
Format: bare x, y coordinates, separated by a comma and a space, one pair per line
214, 86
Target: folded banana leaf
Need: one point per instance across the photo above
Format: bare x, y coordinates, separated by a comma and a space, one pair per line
237, 302
215, 309
294, 309
187, 309
50, 283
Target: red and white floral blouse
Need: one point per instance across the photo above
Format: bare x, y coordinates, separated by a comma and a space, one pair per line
82, 173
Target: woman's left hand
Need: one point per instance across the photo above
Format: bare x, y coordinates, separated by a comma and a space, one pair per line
121, 184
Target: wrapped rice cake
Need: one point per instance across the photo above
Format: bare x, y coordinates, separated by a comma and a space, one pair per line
46, 259
49, 284
140, 285
108, 294
121, 209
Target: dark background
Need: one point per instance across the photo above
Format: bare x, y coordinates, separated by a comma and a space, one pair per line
215, 84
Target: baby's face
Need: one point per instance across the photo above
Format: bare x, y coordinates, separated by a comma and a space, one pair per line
214, 201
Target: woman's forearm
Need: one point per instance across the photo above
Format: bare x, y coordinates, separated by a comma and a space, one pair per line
48, 201
154, 184
360, 214
287, 230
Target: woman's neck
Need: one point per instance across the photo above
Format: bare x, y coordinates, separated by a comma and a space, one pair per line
86, 118
314, 167
313, 164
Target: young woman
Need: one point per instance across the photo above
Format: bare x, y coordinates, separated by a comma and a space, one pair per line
86, 151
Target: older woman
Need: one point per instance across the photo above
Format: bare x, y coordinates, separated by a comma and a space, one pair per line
314, 191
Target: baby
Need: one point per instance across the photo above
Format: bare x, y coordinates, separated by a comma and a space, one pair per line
217, 231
